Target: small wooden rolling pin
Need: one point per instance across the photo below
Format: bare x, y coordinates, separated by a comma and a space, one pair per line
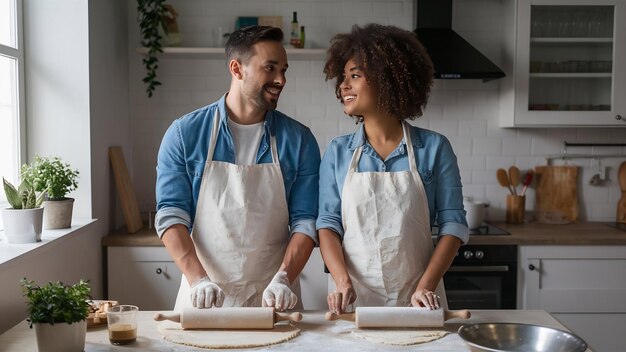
228, 318
399, 317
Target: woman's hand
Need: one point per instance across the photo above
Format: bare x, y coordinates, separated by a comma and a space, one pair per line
339, 300
425, 298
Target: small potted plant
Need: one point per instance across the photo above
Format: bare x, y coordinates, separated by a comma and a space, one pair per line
23, 221
59, 313
57, 179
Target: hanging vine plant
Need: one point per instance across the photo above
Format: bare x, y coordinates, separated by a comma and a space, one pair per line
151, 13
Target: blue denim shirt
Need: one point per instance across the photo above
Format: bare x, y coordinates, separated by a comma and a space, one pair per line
183, 153
436, 164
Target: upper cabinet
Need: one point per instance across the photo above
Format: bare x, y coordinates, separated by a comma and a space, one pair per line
567, 64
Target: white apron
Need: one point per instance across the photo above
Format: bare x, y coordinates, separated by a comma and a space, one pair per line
387, 241
241, 228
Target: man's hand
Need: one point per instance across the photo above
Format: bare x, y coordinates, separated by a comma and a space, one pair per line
205, 294
278, 294
339, 300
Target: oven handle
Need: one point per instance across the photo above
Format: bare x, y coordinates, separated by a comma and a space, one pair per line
499, 268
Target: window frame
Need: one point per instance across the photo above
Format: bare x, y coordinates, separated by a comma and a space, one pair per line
17, 54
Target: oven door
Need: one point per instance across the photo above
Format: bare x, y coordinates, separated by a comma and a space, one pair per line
478, 284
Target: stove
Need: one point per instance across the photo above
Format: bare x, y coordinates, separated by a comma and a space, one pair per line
482, 276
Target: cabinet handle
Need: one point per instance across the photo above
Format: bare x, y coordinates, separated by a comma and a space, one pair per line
159, 271
531, 267
619, 117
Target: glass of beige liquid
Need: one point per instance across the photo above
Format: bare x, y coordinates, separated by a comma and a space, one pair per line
122, 323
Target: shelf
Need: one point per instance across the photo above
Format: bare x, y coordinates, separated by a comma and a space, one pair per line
569, 42
218, 53
574, 40
571, 75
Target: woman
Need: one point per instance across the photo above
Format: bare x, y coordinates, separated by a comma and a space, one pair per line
383, 186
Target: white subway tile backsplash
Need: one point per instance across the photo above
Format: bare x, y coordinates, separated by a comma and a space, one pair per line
487, 146
449, 128
516, 146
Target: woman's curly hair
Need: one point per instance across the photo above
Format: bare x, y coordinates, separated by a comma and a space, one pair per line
395, 63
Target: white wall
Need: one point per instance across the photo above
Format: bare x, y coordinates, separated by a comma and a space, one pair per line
466, 111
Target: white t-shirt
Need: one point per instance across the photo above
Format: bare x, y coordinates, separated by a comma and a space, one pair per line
247, 139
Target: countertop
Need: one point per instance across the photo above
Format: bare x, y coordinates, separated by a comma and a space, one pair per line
317, 334
532, 233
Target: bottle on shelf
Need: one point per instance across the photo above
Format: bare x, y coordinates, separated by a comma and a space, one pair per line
301, 37
295, 31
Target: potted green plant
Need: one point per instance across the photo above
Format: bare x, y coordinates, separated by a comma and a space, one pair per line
52, 175
23, 221
157, 22
59, 313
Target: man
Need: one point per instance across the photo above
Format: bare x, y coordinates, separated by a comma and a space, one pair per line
244, 178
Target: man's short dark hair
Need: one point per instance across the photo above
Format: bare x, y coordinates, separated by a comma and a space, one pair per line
240, 42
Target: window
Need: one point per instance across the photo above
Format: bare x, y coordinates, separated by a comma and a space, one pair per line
11, 92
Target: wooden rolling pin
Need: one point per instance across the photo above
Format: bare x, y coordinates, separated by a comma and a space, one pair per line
399, 317
228, 318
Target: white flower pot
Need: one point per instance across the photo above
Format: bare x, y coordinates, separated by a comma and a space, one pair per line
61, 337
22, 225
58, 213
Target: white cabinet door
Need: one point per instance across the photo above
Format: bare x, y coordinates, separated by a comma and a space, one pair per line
143, 276
583, 286
568, 68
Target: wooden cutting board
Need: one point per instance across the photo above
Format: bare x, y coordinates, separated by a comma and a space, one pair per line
621, 204
556, 194
125, 190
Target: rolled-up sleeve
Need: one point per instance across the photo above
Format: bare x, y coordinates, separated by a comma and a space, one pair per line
173, 189
304, 191
329, 193
449, 194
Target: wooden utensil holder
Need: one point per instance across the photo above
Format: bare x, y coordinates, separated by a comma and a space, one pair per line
515, 207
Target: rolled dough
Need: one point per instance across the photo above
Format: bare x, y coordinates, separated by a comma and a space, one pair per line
173, 332
400, 337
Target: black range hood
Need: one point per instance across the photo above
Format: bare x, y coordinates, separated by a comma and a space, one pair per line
452, 56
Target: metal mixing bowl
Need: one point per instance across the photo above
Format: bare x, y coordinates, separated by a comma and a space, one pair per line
509, 337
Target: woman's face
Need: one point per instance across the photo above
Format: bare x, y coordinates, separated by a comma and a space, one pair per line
357, 96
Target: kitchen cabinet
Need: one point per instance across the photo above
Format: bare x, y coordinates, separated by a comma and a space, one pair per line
564, 64
145, 276
582, 286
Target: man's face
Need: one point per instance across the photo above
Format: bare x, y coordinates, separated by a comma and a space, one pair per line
264, 74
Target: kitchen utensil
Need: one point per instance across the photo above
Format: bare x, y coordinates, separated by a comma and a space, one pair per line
514, 176
556, 194
527, 180
502, 337
503, 179
398, 317
228, 318
475, 212
515, 208
621, 204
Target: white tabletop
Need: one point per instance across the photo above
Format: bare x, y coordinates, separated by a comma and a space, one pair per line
317, 334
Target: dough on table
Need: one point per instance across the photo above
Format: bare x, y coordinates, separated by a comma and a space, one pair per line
401, 337
173, 332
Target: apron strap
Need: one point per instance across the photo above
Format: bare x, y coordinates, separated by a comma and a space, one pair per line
356, 156
274, 149
214, 132
409, 146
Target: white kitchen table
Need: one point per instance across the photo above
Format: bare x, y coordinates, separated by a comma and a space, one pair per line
316, 334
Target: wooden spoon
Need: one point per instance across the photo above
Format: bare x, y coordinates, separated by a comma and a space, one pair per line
503, 179
514, 176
